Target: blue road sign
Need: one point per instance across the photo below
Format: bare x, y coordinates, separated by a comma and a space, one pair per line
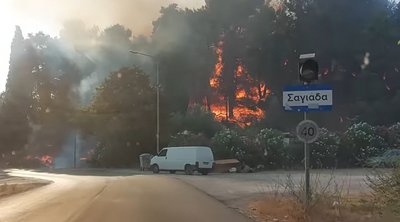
308, 98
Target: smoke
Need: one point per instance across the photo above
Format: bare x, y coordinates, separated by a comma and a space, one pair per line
87, 39
74, 151
134, 14
86, 86
88, 47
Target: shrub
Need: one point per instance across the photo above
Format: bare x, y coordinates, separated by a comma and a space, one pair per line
294, 155
187, 138
385, 188
359, 143
394, 135
323, 152
271, 142
196, 120
253, 154
228, 143
115, 155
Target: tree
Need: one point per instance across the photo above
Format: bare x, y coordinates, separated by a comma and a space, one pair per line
182, 45
122, 118
53, 104
14, 122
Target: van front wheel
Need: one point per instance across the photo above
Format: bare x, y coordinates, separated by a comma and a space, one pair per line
155, 168
188, 169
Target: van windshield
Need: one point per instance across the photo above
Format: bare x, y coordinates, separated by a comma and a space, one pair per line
163, 153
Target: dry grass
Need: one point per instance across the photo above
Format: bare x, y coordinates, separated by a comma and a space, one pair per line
282, 209
331, 202
287, 209
385, 186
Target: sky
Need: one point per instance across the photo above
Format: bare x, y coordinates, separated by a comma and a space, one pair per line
49, 15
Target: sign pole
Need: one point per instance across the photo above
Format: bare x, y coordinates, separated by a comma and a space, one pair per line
75, 151
307, 170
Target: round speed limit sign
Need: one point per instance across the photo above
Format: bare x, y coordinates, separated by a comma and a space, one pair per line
307, 131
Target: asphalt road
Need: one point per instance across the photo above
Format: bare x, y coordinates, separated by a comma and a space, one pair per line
116, 196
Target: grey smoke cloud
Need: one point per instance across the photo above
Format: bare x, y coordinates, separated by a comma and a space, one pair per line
134, 14
137, 15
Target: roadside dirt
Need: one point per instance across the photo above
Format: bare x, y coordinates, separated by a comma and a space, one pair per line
273, 209
13, 185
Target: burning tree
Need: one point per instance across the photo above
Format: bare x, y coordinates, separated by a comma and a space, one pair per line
235, 95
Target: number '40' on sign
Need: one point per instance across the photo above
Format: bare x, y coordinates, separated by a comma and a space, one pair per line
307, 131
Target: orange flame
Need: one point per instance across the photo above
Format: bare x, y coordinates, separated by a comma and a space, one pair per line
214, 80
244, 116
219, 111
239, 70
249, 93
241, 94
45, 160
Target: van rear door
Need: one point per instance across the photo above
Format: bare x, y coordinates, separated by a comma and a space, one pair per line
205, 157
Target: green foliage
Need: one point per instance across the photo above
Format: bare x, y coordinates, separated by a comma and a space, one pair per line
394, 135
228, 143
16, 100
272, 143
122, 118
253, 155
53, 105
359, 143
294, 158
50, 77
181, 41
187, 138
196, 120
324, 151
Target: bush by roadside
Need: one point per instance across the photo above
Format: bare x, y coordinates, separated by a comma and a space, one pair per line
359, 143
385, 188
324, 150
188, 138
274, 149
228, 144
330, 202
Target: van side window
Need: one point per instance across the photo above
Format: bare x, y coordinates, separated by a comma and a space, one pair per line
163, 153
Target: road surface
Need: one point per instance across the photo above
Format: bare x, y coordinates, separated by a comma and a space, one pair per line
118, 197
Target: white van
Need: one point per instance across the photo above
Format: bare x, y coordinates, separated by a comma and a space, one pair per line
188, 159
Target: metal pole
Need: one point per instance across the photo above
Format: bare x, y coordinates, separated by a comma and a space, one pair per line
307, 170
158, 95
75, 151
158, 108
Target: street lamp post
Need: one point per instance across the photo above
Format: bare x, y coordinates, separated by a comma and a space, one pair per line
158, 94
